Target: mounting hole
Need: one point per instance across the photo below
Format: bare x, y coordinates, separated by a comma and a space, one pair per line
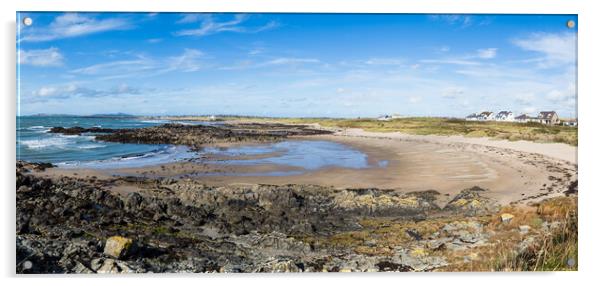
570, 24
27, 21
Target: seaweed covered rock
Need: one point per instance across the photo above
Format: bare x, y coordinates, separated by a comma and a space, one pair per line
471, 202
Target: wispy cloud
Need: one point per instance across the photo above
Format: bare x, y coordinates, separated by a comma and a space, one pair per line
43, 57
72, 90
71, 25
281, 61
210, 26
489, 53
461, 20
555, 48
189, 61
460, 62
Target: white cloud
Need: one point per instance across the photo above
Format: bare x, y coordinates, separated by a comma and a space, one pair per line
45, 91
209, 26
189, 61
154, 40
555, 48
117, 67
461, 20
70, 25
289, 61
460, 62
192, 18
489, 53
384, 62
563, 96
74, 90
44, 57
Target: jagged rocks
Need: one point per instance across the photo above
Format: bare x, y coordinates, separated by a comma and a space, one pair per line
195, 136
110, 266
471, 202
77, 130
185, 226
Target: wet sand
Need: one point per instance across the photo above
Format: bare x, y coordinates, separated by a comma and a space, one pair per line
415, 163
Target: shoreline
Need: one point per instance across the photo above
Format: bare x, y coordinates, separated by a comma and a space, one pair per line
437, 205
560, 151
447, 164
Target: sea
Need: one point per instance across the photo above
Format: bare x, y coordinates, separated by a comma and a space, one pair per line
36, 144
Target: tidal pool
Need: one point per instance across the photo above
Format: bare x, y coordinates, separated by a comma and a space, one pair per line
306, 154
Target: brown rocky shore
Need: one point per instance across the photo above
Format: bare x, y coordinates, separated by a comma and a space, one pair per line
196, 136
78, 225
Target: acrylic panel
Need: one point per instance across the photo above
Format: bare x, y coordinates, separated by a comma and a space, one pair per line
295, 142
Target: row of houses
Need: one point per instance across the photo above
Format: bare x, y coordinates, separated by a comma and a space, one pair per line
544, 117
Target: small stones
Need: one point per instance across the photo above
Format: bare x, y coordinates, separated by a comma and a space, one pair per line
109, 266
506, 217
524, 229
117, 246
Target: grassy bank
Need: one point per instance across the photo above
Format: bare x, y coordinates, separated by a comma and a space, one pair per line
434, 126
550, 243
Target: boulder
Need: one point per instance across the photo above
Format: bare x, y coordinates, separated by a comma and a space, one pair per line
117, 246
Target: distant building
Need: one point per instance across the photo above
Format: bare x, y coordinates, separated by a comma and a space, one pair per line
504, 116
472, 117
523, 118
486, 116
570, 122
548, 117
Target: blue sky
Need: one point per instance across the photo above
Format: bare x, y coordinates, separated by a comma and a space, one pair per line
333, 65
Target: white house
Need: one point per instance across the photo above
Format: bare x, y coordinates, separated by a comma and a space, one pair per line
548, 117
486, 116
504, 116
472, 117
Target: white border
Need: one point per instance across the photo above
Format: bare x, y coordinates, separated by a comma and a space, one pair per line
589, 131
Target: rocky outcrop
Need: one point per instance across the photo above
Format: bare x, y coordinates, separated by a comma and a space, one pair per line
77, 130
471, 202
69, 225
196, 136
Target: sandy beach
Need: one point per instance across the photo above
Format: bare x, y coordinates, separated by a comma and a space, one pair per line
512, 171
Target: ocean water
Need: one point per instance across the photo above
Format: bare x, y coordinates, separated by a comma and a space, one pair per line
36, 144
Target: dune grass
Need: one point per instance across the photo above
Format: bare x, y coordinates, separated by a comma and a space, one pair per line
433, 126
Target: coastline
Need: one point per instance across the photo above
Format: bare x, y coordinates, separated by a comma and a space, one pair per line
560, 151
437, 205
446, 164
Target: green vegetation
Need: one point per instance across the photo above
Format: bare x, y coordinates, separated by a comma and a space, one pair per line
552, 238
430, 126
444, 126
